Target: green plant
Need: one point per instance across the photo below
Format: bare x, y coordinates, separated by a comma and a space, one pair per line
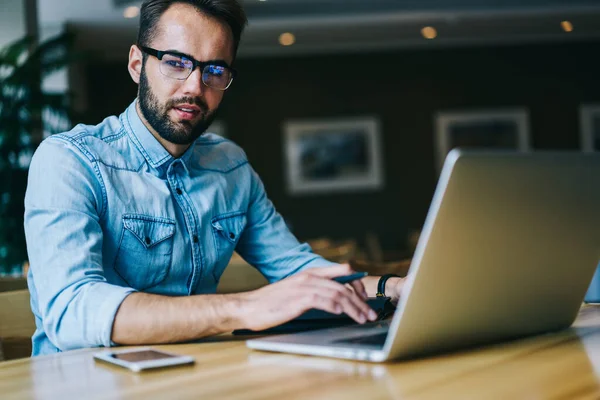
27, 114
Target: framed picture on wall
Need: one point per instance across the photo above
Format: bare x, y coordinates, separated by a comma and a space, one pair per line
589, 122
333, 155
486, 129
218, 128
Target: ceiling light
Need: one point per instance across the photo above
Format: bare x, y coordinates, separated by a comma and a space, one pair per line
287, 39
567, 26
131, 12
429, 32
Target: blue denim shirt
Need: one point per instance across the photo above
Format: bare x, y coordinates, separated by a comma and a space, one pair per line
108, 212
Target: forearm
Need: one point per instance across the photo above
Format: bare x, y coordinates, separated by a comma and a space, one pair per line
146, 318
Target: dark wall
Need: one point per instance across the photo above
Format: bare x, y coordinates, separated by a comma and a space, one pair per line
404, 89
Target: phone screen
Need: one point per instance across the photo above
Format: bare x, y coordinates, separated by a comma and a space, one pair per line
145, 355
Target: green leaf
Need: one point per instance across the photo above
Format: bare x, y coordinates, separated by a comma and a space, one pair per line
23, 106
11, 54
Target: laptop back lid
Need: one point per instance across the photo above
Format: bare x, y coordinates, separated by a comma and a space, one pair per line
508, 249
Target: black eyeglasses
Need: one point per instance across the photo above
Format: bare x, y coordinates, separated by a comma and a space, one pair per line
215, 74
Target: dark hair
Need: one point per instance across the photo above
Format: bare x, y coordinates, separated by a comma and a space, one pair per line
228, 11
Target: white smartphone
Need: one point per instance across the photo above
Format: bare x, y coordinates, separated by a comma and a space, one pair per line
140, 359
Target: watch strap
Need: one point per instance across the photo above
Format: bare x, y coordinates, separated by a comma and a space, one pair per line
381, 284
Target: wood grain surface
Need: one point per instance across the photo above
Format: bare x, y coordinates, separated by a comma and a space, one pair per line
563, 365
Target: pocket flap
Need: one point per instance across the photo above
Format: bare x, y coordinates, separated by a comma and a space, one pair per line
149, 230
230, 226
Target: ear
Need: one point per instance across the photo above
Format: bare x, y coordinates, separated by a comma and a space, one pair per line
135, 63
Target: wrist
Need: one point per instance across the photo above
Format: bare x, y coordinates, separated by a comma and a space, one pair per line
384, 286
393, 288
237, 310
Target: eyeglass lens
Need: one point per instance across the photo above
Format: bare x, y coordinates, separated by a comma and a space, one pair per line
177, 67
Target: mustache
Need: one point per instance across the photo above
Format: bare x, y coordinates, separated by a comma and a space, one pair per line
197, 101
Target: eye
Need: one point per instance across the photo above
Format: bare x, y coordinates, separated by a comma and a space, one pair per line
175, 63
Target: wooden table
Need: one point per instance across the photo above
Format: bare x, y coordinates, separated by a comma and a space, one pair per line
563, 365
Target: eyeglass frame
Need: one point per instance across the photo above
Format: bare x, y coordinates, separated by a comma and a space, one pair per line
195, 64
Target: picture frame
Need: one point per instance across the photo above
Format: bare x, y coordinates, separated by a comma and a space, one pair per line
589, 126
333, 155
485, 129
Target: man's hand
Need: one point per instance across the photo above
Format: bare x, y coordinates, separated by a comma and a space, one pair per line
287, 299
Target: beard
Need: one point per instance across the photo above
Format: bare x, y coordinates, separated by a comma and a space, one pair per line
176, 132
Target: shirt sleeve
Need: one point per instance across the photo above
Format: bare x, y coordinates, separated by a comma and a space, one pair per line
267, 243
63, 205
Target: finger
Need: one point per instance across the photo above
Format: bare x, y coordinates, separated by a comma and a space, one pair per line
361, 294
352, 303
327, 301
356, 308
331, 272
359, 288
363, 307
324, 303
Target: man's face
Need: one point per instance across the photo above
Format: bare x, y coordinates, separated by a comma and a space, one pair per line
181, 110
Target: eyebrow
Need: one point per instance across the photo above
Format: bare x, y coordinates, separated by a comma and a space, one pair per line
219, 61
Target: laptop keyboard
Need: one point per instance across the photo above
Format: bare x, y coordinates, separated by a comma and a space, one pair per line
373, 325
377, 339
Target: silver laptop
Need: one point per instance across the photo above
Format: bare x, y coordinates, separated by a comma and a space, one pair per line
508, 249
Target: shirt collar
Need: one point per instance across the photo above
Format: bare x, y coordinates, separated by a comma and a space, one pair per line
153, 151
186, 156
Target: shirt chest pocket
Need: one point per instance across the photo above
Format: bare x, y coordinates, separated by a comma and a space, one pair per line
227, 229
144, 256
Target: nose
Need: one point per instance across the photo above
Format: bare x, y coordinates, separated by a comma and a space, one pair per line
193, 85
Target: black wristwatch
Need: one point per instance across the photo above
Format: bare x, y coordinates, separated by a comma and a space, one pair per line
381, 284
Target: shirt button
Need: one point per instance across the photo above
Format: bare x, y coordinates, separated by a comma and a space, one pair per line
195, 238
232, 235
178, 191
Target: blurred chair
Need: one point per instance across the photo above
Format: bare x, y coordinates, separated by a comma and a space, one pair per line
399, 267
319, 244
334, 251
239, 276
17, 324
10, 284
377, 262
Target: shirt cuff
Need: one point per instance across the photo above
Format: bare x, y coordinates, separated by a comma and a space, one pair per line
318, 262
114, 296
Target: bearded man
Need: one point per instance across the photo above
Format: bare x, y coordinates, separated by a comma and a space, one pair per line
131, 222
